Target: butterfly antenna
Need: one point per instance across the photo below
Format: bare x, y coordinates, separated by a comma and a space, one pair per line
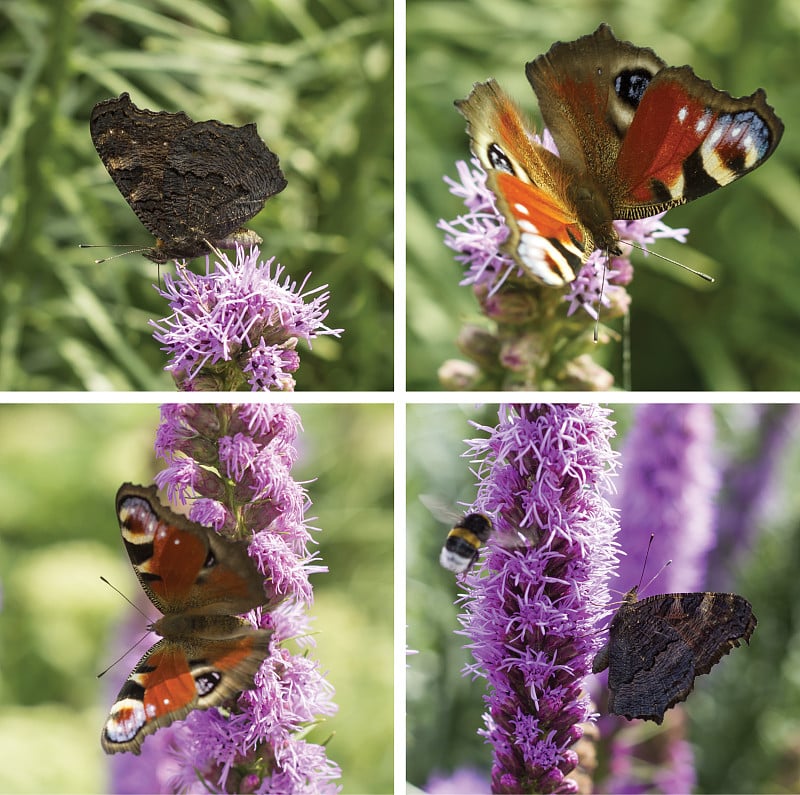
656, 575
646, 555
113, 245
125, 654
639, 587
114, 588
674, 262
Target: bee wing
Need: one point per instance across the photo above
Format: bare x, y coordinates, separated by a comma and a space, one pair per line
440, 508
509, 540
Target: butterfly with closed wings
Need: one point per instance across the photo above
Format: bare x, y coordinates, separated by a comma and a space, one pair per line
192, 184
658, 646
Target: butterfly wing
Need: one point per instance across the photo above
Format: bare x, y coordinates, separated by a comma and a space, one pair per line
528, 181
132, 143
658, 646
687, 139
176, 676
649, 666
183, 566
588, 92
645, 136
710, 624
217, 177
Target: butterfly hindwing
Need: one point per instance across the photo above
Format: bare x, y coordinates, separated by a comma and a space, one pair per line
688, 139
173, 678
544, 234
193, 164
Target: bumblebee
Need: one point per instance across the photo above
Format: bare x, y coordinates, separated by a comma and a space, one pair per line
462, 547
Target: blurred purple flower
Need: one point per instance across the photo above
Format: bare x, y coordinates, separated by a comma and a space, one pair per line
751, 485
464, 781
242, 474
531, 605
237, 323
667, 487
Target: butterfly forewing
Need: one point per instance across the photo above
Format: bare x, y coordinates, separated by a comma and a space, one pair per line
133, 144
181, 564
588, 92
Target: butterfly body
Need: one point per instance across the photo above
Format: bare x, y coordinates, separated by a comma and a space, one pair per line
199, 581
192, 184
659, 645
634, 136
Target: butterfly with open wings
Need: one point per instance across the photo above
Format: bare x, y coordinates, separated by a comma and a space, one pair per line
635, 137
200, 581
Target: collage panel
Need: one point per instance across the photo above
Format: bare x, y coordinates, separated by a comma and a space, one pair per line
378, 588
511, 247
218, 510
610, 604
250, 143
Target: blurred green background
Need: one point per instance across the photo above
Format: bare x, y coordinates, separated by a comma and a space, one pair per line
60, 468
744, 728
738, 334
317, 78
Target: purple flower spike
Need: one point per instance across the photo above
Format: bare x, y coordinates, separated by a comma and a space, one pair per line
750, 493
465, 781
241, 483
668, 487
527, 315
531, 606
238, 324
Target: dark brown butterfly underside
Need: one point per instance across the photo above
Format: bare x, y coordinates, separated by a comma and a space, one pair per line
657, 646
192, 184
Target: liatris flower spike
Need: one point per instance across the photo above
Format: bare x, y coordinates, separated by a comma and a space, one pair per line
238, 324
668, 487
666, 496
233, 463
534, 600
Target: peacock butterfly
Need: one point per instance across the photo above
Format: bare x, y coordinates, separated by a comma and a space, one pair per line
199, 581
192, 184
635, 137
659, 645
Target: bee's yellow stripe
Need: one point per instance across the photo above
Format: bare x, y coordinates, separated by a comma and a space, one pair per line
467, 535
